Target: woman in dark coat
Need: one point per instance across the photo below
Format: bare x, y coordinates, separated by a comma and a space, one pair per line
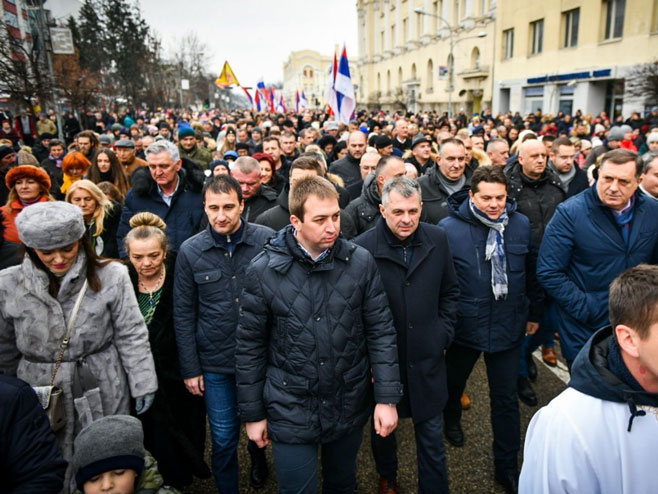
174, 428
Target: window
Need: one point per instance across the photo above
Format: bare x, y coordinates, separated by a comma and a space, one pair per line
475, 58
430, 75
571, 19
614, 18
508, 44
536, 37
405, 29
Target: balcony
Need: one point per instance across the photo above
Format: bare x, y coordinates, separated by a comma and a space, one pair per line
479, 72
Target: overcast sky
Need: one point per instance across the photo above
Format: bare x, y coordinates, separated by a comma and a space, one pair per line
256, 36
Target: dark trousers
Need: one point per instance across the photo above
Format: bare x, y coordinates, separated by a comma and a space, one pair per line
430, 451
502, 371
297, 465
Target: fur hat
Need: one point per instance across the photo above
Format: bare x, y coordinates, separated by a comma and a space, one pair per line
27, 171
50, 225
110, 443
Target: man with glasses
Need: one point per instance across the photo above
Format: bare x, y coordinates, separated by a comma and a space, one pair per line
443, 180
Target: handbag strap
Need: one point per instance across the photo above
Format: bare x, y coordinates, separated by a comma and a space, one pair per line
69, 329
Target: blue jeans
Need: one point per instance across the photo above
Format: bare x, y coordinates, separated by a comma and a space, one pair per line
297, 465
430, 451
224, 429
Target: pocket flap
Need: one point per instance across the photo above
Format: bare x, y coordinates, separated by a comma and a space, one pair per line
207, 276
284, 380
517, 248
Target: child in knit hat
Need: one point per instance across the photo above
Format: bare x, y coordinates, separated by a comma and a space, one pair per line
109, 456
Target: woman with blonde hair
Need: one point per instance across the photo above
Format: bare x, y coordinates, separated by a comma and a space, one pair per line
101, 216
174, 428
27, 185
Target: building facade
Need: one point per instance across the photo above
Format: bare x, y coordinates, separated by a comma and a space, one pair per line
569, 55
411, 50
308, 70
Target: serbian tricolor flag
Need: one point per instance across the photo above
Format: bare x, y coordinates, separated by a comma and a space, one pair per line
330, 95
344, 90
251, 100
257, 101
303, 102
296, 101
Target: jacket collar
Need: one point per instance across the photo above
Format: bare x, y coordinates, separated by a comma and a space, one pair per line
207, 241
387, 244
605, 221
283, 252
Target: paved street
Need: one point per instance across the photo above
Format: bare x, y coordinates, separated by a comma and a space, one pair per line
470, 467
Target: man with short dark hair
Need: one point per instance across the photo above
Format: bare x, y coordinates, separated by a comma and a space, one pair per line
87, 143
590, 240
209, 276
314, 333
443, 179
562, 161
491, 246
347, 168
599, 435
423, 293
53, 163
272, 146
365, 209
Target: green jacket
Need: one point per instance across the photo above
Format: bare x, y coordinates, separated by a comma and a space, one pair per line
200, 155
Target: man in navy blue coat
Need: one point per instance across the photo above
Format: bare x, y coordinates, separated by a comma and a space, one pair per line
591, 239
421, 285
171, 188
492, 250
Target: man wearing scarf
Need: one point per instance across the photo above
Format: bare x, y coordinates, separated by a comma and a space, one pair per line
499, 298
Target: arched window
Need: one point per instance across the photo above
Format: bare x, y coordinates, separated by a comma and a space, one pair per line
388, 81
400, 77
475, 58
430, 74
379, 82
413, 71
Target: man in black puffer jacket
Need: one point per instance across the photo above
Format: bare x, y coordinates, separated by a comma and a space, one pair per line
314, 329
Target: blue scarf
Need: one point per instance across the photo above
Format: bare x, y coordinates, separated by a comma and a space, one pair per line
624, 217
495, 250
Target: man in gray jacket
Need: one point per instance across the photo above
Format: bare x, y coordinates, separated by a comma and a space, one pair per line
208, 282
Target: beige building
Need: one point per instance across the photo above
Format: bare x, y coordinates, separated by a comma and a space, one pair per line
405, 54
309, 70
572, 54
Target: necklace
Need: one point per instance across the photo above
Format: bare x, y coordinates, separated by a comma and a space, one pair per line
156, 287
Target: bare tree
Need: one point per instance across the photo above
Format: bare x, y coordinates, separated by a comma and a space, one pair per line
189, 57
642, 82
23, 71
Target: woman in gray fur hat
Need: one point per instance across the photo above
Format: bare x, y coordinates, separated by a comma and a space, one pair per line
108, 357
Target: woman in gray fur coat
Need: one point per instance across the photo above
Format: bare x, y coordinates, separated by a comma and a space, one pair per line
108, 358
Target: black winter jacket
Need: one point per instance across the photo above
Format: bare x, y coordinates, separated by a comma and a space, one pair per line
278, 217
423, 297
184, 215
364, 210
536, 199
310, 334
258, 204
30, 460
206, 299
435, 196
347, 168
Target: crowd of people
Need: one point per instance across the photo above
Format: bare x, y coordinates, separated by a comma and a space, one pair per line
166, 271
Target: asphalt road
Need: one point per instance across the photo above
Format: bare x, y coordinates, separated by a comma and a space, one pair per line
470, 468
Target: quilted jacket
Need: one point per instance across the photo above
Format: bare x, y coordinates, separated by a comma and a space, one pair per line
311, 336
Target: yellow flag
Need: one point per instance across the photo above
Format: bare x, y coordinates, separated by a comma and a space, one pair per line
227, 77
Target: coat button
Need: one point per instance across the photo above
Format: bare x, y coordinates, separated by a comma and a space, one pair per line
411, 326
225, 254
321, 362
233, 277
324, 402
407, 283
285, 383
237, 299
317, 318
207, 277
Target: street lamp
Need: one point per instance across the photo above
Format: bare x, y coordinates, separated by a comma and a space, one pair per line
451, 67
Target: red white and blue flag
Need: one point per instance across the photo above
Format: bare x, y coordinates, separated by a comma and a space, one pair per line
346, 102
303, 102
330, 96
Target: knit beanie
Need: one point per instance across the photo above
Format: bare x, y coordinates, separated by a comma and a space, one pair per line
110, 443
184, 132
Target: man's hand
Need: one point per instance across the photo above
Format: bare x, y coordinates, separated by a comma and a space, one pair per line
195, 385
257, 432
386, 419
531, 327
